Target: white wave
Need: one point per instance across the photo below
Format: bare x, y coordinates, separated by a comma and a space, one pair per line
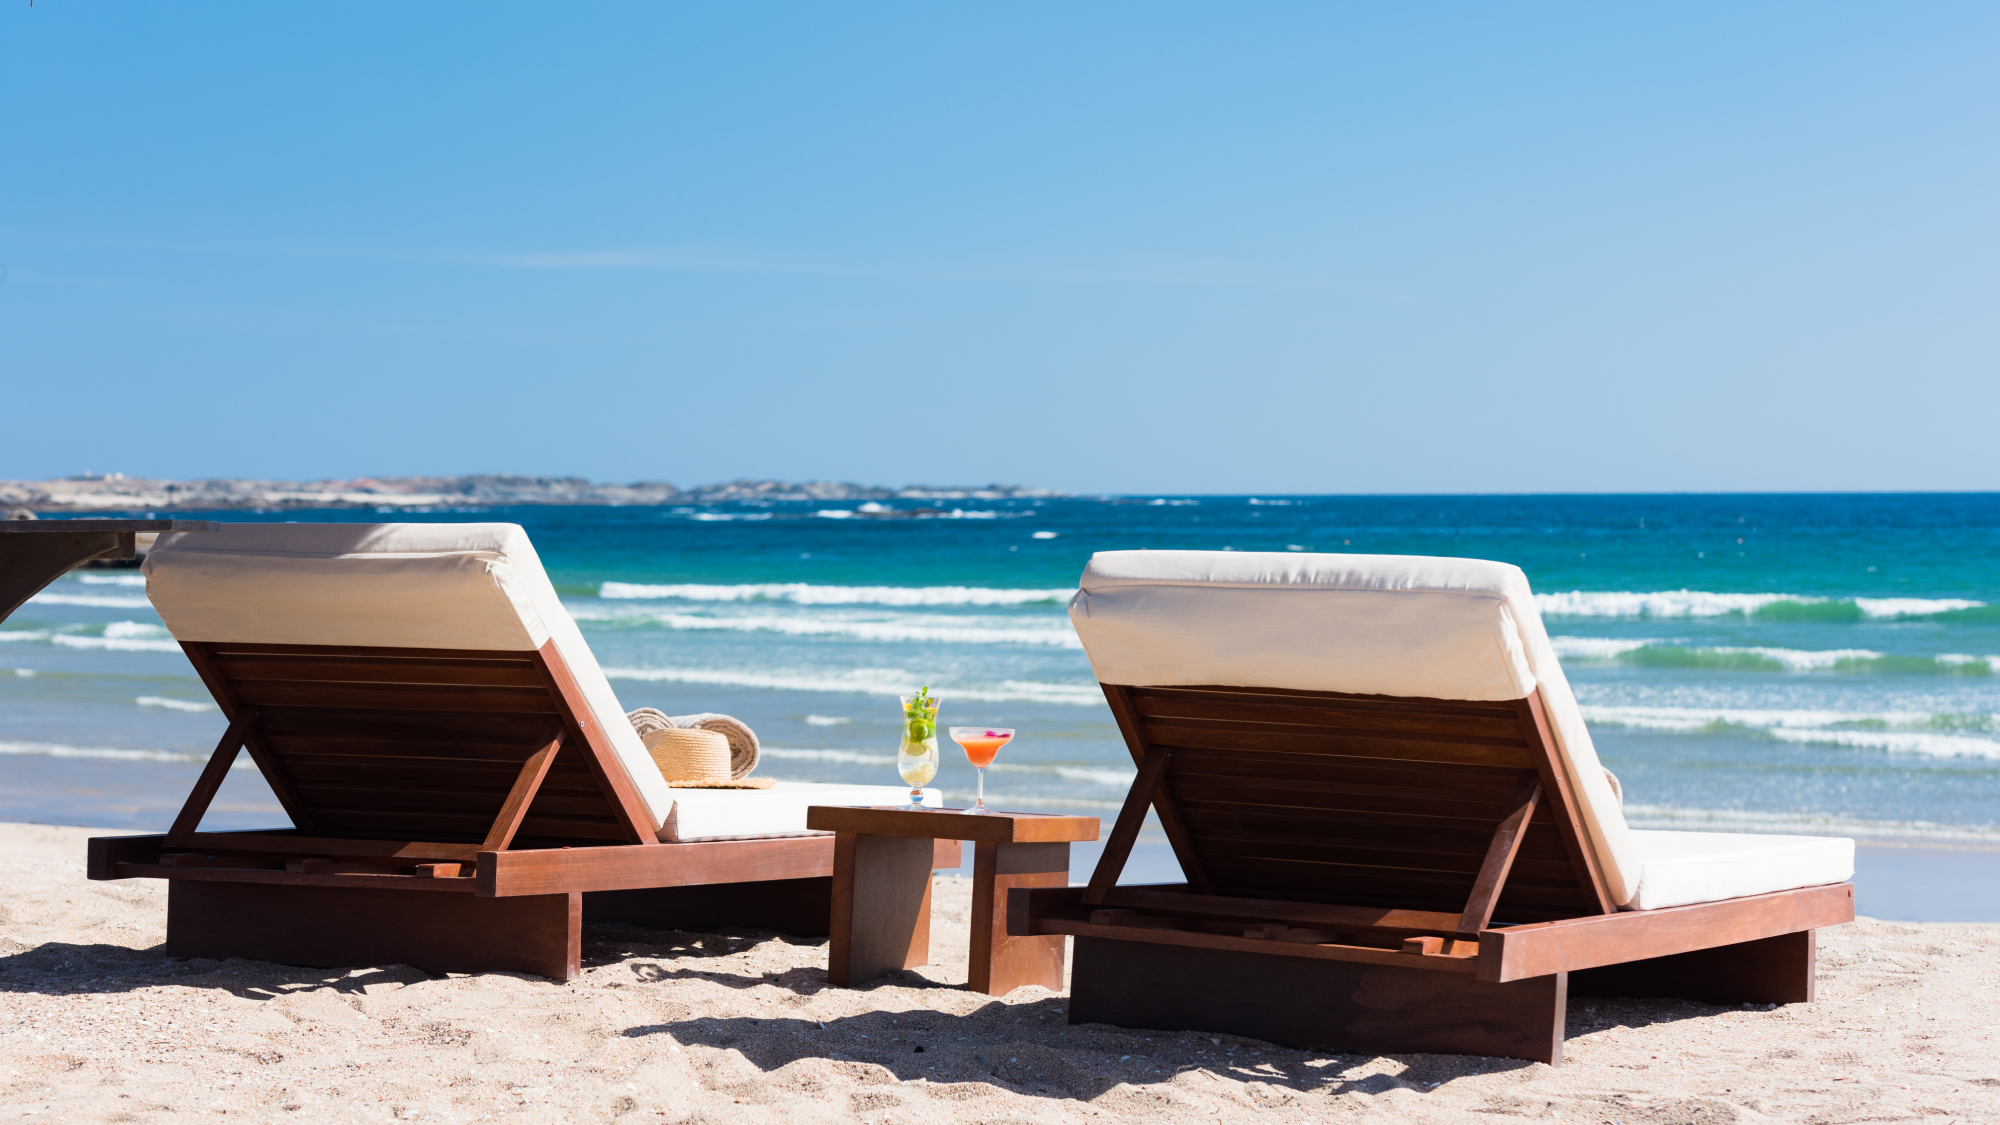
25, 673
1912, 607
1055, 632
133, 630
1804, 823
826, 720
122, 636
1797, 660
1597, 648
715, 517
57, 750
1803, 660
192, 707
114, 644
854, 756
1696, 718
24, 634
1700, 603
871, 681
1823, 728
1800, 660
805, 594
100, 601
1898, 742
1120, 778
89, 579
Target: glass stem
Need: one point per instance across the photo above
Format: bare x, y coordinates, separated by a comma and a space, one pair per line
982, 788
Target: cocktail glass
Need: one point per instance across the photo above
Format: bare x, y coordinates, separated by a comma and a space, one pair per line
917, 755
980, 744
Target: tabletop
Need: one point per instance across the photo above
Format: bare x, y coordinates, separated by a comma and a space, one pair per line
79, 527
946, 824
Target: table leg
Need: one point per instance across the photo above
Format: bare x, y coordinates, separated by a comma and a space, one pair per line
1000, 963
881, 910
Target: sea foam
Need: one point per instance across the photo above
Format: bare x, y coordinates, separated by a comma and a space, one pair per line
1701, 603
89, 579
1894, 731
190, 706
1652, 653
100, 601
122, 636
1680, 819
58, 750
895, 628
806, 594
871, 681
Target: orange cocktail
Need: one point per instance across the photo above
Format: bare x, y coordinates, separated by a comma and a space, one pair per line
980, 745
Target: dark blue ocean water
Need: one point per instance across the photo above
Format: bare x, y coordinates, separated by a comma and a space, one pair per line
1788, 663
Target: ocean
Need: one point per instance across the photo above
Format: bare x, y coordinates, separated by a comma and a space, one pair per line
1811, 664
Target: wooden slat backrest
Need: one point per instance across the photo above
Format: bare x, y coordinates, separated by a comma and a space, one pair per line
1359, 800
420, 744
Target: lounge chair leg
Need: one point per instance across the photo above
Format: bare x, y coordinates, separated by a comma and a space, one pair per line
441, 931
1775, 970
1325, 1005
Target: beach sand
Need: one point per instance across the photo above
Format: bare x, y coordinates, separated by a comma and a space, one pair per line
97, 1025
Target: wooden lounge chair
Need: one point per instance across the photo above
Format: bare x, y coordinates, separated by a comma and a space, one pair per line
1395, 831
463, 786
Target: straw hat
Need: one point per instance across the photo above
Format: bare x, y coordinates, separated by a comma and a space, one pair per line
744, 750
695, 759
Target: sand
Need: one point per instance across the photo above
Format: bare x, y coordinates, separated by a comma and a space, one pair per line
96, 1024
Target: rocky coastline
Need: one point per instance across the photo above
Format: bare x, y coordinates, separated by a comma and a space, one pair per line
116, 492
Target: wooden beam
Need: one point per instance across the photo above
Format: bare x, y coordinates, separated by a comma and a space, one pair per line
267, 762
1172, 898
211, 778
1131, 817
1500, 855
1519, 952
288, 846
205, 873
595, 744
1194, 939
515, 808
1178, 837
1567, 812
635, 866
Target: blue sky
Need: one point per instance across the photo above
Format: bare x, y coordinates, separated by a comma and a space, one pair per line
1139, 247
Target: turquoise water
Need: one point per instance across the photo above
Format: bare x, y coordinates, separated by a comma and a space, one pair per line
1787, 663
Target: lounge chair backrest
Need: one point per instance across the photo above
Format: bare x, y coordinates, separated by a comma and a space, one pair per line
400, 670
1427, 632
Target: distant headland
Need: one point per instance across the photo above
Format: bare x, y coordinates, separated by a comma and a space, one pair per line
116, 492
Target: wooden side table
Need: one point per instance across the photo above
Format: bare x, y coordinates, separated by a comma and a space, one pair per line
34, 553
882, 890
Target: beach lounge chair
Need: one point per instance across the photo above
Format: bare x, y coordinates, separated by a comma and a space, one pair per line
463, 785
1395, 832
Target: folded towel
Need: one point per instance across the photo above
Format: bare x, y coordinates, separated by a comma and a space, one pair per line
743, 748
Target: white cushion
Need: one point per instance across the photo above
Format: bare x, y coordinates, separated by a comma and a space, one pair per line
1403, 625
395, 585
703, 814
1679, 868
